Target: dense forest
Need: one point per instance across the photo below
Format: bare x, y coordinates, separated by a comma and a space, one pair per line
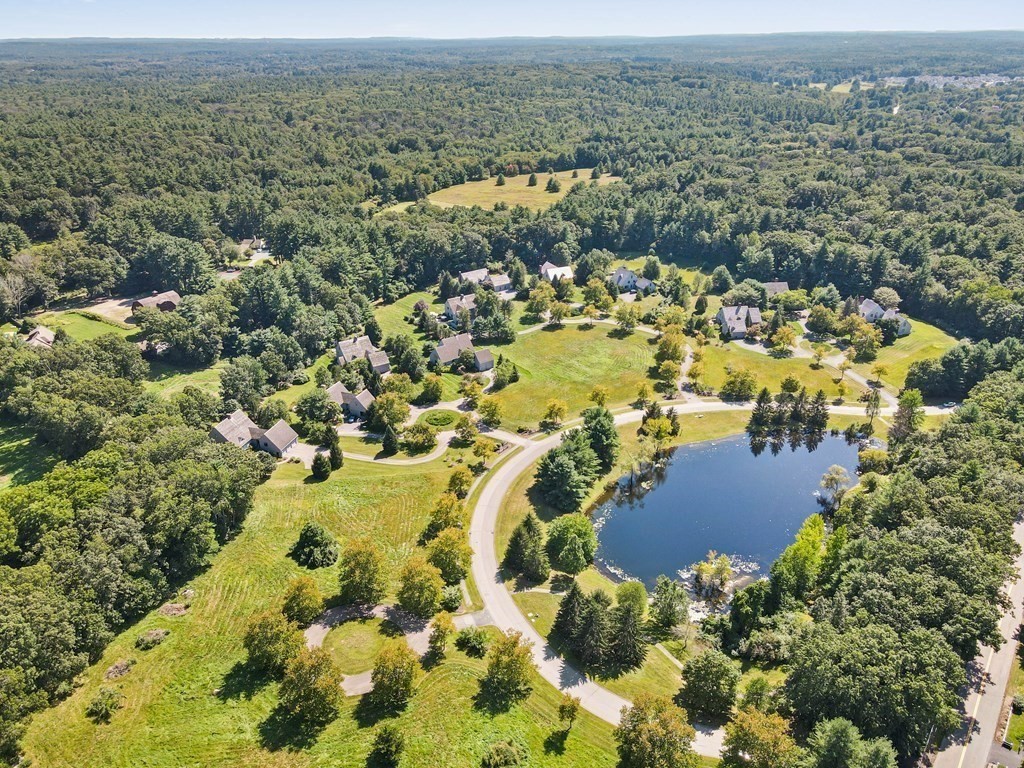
138, 167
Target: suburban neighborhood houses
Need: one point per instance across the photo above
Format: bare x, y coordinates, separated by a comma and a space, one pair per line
736, 321
238, 429
551, 272
356, 405
359, 347
449, 351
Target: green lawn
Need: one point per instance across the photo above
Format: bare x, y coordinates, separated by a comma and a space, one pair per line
80, 326
189, 701
355, 644
770, 371
392, 316
1015, 734
924, 342
166, 379
566, 364
22, 459
514, 192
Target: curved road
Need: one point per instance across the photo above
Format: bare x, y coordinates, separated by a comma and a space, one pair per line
504, 612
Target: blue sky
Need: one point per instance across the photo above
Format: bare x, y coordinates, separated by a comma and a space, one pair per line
458, 18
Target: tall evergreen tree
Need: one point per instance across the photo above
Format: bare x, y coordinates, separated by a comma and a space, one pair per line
591, 641
570, 613
628, 648
599, 425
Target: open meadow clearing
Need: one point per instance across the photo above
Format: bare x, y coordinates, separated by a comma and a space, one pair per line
515, 191
770, 371
924, 342
566, 364
22, 458
197, 674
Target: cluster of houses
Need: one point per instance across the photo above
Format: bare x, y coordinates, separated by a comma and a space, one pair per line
238, 429
498, 283
736, 321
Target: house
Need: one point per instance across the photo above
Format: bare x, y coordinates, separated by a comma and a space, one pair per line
167, 301
870, 310
358, 347
775, 287
499, 283
354, 405
278, 439
457, 304
735, 321
448, 350
254, 244
484, 360
550, 272
238, 429
903, 326
474, 276
624, 279
40, 337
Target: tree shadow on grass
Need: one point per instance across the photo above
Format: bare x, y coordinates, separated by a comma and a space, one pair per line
493, 702
368, 712
242, 682
554, 744
283, 730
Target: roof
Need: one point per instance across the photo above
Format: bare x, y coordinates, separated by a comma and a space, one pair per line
364, 398
378, 359
474, 275
40, 336
776, 287
456, 304
348, 350
280, 435
868, 307
642, 283
483, 357
623, 276
159, 298
553, 272
891, 314
499, 282
237, 429
738, 319
448, 349
337, 392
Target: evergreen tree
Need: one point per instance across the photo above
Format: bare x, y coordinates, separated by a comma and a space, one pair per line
321, 466
526, 552
591, 641
390, 443
628, 648
599, 424
570, 613
532, 181
668, 607
763, 414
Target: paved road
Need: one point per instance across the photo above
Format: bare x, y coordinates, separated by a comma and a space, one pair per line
982, 711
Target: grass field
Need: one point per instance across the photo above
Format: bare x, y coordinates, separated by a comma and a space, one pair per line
166, 379
22, 459
1015, 733
355, 644
924, 342
566, 364
515, 191
770, 371
392, 316
190, 702
79, 325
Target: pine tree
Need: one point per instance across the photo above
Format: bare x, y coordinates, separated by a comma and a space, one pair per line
526, 550
628, 648
817, 418
390, 444
570, 613
532, 181
763, 412
599, 424
591, 641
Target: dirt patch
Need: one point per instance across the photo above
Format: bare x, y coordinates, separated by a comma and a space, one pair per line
119, 669
119, 310
151, 639
173, 609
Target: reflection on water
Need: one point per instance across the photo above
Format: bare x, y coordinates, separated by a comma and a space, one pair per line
730, 496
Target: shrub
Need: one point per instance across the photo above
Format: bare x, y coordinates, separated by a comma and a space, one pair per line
271, 641
451, 598
321, 466
388, 745
151, 639
504, 754
316, 548
104, 705
472, 641
303, 601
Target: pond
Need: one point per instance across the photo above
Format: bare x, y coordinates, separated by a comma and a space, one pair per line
715, 496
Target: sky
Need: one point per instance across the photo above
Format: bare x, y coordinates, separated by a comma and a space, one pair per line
461, 19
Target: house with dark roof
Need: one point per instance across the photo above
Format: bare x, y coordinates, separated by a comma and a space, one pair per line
448, 350
736, 321
358, 347
499, 283
238, 429
484, 360
775, 287
355, 405
167, 301
40, 337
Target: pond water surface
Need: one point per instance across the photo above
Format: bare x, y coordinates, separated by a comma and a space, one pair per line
715, 496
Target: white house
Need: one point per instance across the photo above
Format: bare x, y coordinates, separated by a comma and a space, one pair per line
870, 310
355, 405
903, 328
551, 272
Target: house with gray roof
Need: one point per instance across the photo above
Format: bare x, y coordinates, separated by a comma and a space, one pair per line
40, 337
484, 360
355, 405
903, 326
167, 301
499, 283
448, 350
238, 429
358, 347
458, 304
736, 321
870, 310
474, 276
775, 287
